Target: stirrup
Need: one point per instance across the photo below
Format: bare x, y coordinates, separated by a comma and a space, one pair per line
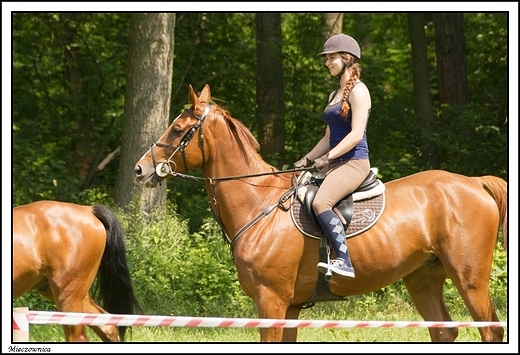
321, 267
328, 273
344, 271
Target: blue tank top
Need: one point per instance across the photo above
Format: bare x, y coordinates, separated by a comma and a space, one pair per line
339, 128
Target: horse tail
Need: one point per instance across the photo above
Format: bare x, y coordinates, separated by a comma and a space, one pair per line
497, 188
114, 283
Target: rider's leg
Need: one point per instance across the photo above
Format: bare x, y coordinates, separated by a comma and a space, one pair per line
333, 229
341, 179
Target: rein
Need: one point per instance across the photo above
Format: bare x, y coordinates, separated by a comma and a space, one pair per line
236, 177
231, 241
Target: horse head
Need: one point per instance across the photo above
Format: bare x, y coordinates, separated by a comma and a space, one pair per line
181, 147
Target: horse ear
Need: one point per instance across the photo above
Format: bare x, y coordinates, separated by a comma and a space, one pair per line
193, 97
205, 95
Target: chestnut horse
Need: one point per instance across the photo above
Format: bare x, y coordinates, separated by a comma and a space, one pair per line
59, 248
435, 225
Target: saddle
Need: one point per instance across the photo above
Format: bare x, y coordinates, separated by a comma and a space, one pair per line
345, 207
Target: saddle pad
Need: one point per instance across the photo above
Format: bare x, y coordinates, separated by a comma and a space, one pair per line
366, 213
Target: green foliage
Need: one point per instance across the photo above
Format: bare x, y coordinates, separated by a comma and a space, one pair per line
207, 278
175, 272
307, 85
153, 253
33, 300
460, 128
498, 283
216, 49
68, 86
488, 55
191, 200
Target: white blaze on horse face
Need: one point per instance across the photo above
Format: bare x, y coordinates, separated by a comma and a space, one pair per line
161, 137
148, 151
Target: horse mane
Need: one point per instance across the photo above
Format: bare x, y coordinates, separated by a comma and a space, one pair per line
248, 145
241, 132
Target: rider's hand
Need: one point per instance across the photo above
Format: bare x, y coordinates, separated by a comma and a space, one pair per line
322, 162
303, 163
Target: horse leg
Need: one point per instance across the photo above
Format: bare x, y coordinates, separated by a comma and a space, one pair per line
479, 303
107, 333
425, 286
73, 333
474, 289
290, 334
270, 306
488, 334
66, 301
68, 296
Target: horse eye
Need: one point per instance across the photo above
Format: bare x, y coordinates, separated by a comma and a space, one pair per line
177, 130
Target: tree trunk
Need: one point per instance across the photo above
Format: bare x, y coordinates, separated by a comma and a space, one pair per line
450, 47
333, 23
269, 92
74, 76
147, 103
421, 88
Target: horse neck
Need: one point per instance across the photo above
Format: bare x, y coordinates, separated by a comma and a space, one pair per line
236, 180
230, 154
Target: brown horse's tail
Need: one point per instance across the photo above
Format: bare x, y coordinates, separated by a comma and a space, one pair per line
497, 188
114, 283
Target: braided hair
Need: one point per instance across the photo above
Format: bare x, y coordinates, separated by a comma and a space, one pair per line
355, 73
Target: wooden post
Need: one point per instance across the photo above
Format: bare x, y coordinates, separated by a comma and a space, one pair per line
20, 324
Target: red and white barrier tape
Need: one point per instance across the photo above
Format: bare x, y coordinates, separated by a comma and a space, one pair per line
41, 317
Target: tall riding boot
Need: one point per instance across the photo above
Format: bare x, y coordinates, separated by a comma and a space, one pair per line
333, 229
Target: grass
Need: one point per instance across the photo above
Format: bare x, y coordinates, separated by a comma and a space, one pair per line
348, 310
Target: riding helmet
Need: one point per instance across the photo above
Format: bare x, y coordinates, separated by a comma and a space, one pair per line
341, 43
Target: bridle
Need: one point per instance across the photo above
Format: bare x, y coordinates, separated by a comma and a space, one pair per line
164, 169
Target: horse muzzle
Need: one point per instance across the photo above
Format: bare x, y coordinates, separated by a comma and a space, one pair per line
146, 176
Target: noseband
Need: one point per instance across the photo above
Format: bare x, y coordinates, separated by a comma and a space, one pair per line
163, 169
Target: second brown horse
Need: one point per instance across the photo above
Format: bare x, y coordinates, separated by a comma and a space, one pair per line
59, 248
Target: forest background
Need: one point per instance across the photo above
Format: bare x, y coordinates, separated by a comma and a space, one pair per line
69, 86
70, 72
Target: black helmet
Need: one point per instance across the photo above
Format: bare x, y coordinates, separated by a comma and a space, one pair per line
341, 43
